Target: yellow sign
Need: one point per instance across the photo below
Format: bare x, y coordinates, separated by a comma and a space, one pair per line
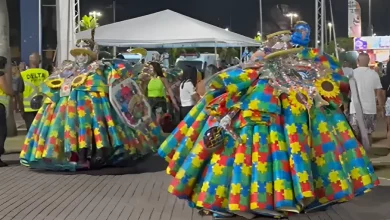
35, 75
33, 79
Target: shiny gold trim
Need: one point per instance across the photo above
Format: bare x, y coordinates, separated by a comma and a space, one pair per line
277, 33
283, 52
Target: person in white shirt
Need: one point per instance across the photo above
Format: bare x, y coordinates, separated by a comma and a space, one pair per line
369, 91
165, 59
188, 95
347, 69
348, 72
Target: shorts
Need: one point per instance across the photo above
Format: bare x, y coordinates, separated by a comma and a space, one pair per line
387, 107
369, 122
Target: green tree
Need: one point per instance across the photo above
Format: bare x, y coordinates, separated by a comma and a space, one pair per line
223, 54
345, 44
175, 53
228, 54
88, 22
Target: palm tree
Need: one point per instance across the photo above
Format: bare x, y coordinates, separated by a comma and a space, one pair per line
88, 22
228, 54
6, 52
175, 53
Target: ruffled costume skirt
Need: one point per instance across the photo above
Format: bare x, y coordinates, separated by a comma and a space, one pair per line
65, 126
286, 162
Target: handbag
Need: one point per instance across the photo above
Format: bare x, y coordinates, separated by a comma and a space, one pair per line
359, 113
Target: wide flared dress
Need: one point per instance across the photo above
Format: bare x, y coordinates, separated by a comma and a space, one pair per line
288, 159
85, 119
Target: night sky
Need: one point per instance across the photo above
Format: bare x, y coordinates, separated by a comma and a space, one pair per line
244, 16
239, 16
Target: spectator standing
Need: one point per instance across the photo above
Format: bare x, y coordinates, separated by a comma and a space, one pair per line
201, 87
22, 66
348, 72
347, 69
156, 90
18, 88
385, 81
5, 93
33, 79
369, 91
188, 95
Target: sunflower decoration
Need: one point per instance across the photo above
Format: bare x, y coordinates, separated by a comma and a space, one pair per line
79, 80
300, 100
327, 88
54, 83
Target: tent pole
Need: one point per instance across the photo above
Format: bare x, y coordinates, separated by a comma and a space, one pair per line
334, 31
216, 53
240, 54
114, 19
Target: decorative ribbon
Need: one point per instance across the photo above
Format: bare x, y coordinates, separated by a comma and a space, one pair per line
359, 113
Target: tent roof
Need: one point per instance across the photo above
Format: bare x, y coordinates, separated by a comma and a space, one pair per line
166, 29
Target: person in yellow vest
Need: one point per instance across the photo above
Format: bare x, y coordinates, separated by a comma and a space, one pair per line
5, 93
33, 78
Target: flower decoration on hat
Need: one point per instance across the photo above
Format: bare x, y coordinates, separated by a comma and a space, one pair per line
327, 88
79, 80
54, 83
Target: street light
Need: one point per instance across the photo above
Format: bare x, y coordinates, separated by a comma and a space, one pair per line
292, 16
226, 29
95, 14
370, 28
261, 15
330, 25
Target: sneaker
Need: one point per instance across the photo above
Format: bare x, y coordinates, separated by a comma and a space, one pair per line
2, 164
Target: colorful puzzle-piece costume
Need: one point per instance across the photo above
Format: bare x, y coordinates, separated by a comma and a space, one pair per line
85, 119
287, 147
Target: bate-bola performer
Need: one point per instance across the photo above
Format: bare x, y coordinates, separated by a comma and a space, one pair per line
270, 139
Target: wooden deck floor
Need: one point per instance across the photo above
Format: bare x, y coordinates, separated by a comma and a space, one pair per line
135, 194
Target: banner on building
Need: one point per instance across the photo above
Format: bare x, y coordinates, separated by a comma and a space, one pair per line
354, 19
372, 43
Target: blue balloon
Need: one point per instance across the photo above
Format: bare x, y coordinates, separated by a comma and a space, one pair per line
301, 34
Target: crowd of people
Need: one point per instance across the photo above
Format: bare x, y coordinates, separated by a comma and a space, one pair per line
266, 137
373, 94
24, 89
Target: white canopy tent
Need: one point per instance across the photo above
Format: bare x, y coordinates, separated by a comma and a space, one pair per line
166, 29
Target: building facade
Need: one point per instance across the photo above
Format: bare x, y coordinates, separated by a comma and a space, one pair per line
38, 29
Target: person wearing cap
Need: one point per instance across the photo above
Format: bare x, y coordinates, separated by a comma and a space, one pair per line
33, 79
5, 93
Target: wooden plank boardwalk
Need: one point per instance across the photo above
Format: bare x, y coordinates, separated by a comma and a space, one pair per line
132, 193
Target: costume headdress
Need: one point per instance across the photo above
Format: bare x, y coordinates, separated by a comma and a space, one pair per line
86, 46
301, 35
